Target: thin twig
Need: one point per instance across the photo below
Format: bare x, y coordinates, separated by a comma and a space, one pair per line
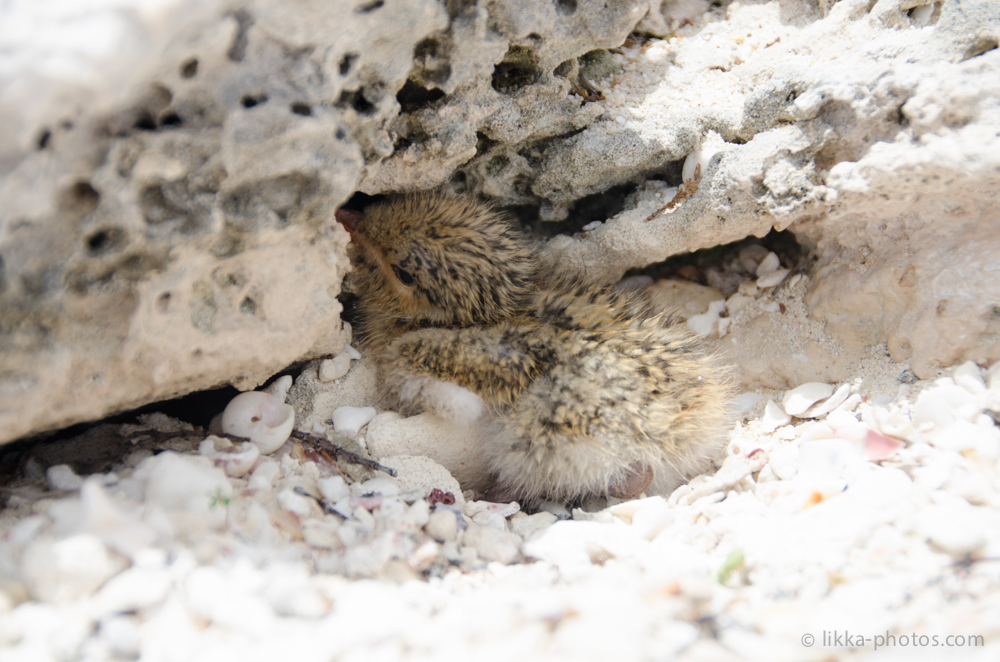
337, 451
690, 188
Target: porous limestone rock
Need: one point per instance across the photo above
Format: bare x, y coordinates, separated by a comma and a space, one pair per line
181, 236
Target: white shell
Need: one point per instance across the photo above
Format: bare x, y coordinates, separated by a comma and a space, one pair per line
711, 145
774, 417
802, 397
261, 417
823, 408
235, 460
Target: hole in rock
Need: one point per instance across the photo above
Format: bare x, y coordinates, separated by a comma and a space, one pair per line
144, 121
189, 68
401, 145
980, 46
104, 240
518, 69
566, 6
432, 60
80, 198
359, 201
237, 50
300, 108
92, 448
596, 207
346, 63
924, 15
43, 139
458, 7
721, 266
413, 96
251, 100
484, 143
340, 135
157, 207
171, 119
248, 306
369, 6
356, 100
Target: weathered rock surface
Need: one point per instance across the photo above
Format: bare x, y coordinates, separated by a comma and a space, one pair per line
182, 238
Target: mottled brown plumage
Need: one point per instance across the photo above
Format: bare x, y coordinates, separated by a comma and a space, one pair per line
581, 390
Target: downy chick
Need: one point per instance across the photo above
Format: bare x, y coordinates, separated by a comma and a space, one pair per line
579, 390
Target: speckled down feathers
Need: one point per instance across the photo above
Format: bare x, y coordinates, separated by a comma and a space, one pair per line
581, 384
449, 247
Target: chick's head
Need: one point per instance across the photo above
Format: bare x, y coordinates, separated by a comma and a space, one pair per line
428, 258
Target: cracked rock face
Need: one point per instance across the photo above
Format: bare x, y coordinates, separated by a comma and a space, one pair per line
181, 236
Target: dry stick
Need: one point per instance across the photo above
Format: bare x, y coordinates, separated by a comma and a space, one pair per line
337, 451
690, 188
324, 443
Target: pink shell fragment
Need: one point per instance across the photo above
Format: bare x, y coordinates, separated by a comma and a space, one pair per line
875, 446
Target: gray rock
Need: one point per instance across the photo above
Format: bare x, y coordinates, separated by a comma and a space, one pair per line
181, 236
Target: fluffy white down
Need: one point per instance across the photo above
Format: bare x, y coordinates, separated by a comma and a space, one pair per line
449, 401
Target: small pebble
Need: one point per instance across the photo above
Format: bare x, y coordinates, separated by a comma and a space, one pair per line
768, 265
527, 526
493, 544
122, 635
333, 488
751, 256
321, 534
383, 485
69, 569
350, 420
707, 323
263, 475
335, 368
442, 525
184, 483
61, 477
302, 506
970, 377
771, 279
954, 530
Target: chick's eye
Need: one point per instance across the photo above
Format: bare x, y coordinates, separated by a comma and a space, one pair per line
405, 277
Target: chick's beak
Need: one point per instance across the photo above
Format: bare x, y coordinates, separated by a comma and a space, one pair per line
349, 219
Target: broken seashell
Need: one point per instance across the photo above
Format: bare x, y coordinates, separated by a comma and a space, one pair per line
261, 417
235, 460
802, 397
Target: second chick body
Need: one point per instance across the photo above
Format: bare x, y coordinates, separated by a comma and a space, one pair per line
578, 389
